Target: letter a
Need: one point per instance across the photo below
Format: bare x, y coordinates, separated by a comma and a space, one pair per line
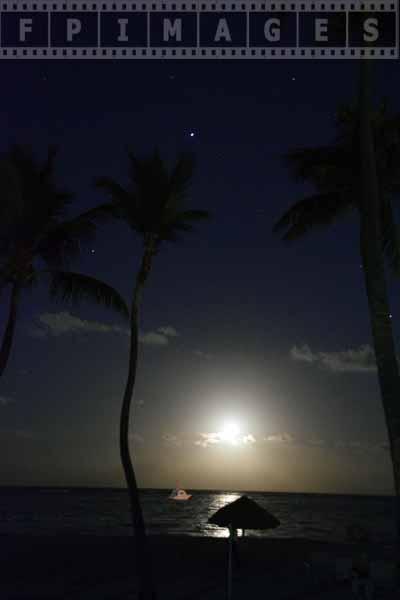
223, 31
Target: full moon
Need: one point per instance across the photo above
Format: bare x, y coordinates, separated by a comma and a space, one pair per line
230, 433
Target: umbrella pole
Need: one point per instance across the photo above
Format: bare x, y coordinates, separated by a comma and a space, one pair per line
229, 595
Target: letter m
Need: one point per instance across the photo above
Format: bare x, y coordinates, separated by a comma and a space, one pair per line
172, 30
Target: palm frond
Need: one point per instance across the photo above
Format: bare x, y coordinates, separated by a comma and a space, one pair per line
177, 190
123, 202
102, 213
58, 250
47, 199
194, 215
182, 174
75, 287
334, 171
116, 192
150, 179
11, 205
319, 210
154, 204
48, 168
326, 168
305, 164
184, 221
64, 241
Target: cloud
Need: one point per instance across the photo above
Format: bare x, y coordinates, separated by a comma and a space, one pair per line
357, 445
287, 438
212, 439
249, 439
343, 445
357, 360
153, 338
63, 322
160, 337
280, 438
171, 440
203, 355
6, 400
361, 446
168, 331
316, 442
303, 354
208, 439
56, 324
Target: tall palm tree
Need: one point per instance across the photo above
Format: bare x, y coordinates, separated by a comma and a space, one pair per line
154, 205
37, 242
375, 169
360, 171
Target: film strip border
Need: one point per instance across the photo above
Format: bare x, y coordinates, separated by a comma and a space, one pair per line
102, 10
199, 6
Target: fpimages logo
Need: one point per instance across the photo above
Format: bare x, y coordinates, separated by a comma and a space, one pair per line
190, 30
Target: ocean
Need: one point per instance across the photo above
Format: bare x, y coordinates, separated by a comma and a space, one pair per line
105, 512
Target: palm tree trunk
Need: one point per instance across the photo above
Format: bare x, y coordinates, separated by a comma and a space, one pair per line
375, 282
8, 336
142, 553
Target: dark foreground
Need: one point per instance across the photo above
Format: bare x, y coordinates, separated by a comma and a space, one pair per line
72, 567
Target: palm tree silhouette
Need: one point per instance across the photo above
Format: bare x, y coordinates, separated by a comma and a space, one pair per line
361, 171
154, 205
37, 243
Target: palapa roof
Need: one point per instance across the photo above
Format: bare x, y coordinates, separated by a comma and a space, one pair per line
244, 513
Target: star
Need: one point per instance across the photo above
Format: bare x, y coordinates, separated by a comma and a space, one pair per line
191, 134
93, 250
293, 78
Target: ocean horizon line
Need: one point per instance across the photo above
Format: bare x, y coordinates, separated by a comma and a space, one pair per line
94, 488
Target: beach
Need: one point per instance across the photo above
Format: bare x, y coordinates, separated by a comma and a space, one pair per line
186, 567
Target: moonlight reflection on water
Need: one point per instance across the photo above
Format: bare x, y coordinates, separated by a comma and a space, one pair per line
220, 500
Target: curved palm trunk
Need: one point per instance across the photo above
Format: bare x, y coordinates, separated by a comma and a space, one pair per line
375, 282
8, 336
142, 553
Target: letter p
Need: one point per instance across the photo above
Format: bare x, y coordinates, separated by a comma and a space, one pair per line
74, 27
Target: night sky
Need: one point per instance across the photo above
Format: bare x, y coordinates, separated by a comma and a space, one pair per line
237, 327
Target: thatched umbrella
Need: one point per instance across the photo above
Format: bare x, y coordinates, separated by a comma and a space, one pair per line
243, 514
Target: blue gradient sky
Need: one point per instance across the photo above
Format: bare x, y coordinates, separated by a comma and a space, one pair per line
261, 327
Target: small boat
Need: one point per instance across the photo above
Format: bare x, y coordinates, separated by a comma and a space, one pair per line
178, 494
